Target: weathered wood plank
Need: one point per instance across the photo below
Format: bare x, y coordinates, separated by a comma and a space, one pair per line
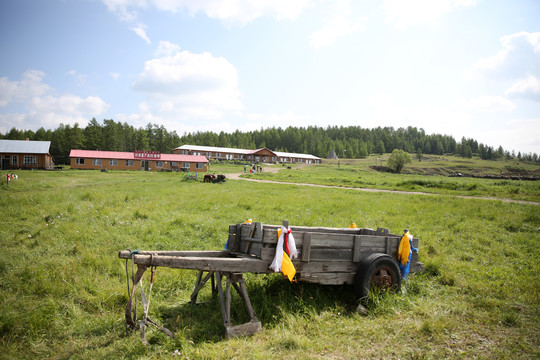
357, 248
246, 329
124, 254
306, 247
351, 231
232, 237
227, 300
206, 263
270, 236
324, 266
331, 254
226, 321
242, 291
328, 278
331, 241
267, 254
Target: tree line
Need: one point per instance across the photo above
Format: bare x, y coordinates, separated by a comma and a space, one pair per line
347, 142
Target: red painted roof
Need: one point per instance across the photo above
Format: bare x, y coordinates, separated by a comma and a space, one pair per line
93, 154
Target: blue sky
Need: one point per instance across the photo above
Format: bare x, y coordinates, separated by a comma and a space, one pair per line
457, 67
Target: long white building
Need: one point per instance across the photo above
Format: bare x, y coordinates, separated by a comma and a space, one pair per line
259, 155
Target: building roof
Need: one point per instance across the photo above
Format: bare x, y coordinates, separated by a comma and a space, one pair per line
93, 154
24, 146
216, 149
243, 151
295, 155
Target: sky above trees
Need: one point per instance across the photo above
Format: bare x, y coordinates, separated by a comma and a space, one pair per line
458, 67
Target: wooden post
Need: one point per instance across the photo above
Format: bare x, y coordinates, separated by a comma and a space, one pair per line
199, 284
228, 298
357, 248
226, 320
306, 247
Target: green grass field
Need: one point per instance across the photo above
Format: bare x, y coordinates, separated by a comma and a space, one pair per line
63, 289
429, 176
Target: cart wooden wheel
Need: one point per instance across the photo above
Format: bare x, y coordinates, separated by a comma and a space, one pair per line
379, 271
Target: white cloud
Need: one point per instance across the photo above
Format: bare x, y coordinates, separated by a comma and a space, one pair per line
140, 30
166, 48
80, 78
115, 75
528, 88
492, 104
516, 68
188, 85
406, 13
17, 91
42, 108
519, 56
338, 27
516, 134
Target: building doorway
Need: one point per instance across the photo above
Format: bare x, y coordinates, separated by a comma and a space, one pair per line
5, 162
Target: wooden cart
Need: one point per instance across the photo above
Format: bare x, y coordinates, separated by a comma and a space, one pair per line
364, 258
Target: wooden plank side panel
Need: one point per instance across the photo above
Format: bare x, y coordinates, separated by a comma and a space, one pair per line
324, 266
232, 238
270, 236
373, 241
357, 248
328, 278
349, 231
331, 254
305, 254
331, 241
267, 254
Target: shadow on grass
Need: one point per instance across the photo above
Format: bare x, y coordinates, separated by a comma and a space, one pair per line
272, 298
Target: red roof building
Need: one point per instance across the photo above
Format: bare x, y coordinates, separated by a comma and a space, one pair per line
138, 160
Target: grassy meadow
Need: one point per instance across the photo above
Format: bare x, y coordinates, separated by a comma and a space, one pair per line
63, 289
431, 175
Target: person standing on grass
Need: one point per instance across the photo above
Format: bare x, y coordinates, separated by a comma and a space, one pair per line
405, 251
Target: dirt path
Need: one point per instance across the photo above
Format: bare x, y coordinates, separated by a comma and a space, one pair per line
275, 169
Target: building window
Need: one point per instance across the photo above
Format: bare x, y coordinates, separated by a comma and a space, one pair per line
273, 158
186, 165
173, 163
29, 160
159, 164
79, 161
200, 165
14, 160
218, 155
113, 162
96, 162
129, 162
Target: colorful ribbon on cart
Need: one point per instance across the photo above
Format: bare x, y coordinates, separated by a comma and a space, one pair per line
282, 260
